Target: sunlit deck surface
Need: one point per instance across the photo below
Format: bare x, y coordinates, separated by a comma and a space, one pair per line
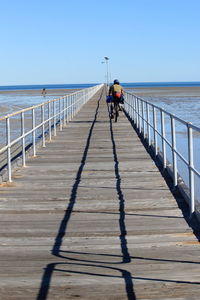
91, 217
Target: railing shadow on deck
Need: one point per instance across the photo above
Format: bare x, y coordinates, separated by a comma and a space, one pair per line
192, 222
56, 250
122, 225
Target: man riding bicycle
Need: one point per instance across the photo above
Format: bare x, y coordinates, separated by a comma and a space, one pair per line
116, 91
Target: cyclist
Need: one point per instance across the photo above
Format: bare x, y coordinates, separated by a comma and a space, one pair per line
116, 91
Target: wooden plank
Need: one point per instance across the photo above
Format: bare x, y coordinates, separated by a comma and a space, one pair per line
91, 217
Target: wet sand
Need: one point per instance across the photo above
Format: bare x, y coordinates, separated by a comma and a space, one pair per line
167, 91
184, 102
39, 92
15, 100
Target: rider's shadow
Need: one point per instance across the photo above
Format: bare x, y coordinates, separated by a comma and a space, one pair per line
76, 264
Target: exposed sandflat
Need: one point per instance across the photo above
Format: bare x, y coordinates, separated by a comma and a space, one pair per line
92, 218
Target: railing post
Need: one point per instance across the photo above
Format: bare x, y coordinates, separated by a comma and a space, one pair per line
148, 125
43, 127
8, 150
134, 110
129, 107
70, 107
174, 151
64, 111
163, 139
54, 118
73, 101
72, 96
81, 103
77, 99
83, 99
49, 119
23, 140
155, 130
33, 133
143, 119
190, 167
67, 107
75, 104
60, 115
137, 112
126, 104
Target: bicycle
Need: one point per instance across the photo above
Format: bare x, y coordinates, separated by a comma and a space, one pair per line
116, 110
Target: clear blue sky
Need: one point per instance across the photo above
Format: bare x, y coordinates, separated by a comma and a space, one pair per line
65, 41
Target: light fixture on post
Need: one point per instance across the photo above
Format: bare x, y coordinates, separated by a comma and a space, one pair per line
106, 61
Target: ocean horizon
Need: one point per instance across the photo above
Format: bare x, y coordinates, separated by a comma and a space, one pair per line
86, 85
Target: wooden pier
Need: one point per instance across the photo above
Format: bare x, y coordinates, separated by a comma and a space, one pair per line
91, 217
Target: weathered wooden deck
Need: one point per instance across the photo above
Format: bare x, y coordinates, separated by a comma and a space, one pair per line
91, 217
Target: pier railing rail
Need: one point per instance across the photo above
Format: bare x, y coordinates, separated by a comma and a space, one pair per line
161, 130
22, 129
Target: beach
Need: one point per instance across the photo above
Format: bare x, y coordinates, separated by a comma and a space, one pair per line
182, 101
14, 100
184, 91
58, 92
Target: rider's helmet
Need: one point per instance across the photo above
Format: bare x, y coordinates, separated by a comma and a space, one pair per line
116, 81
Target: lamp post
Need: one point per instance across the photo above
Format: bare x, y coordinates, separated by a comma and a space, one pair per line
105, 77
106, 61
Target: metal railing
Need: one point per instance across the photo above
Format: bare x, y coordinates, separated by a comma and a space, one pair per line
173, 141
22, 130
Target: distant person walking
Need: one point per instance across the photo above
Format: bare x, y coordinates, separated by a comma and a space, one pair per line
117, 92
44, 92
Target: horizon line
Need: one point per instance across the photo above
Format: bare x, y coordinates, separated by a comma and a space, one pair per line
86, 83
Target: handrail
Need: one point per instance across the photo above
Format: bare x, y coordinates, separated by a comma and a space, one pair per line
150, 121
42, 120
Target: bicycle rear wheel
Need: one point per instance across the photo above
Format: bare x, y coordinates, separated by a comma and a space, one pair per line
116, 109
116, 115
